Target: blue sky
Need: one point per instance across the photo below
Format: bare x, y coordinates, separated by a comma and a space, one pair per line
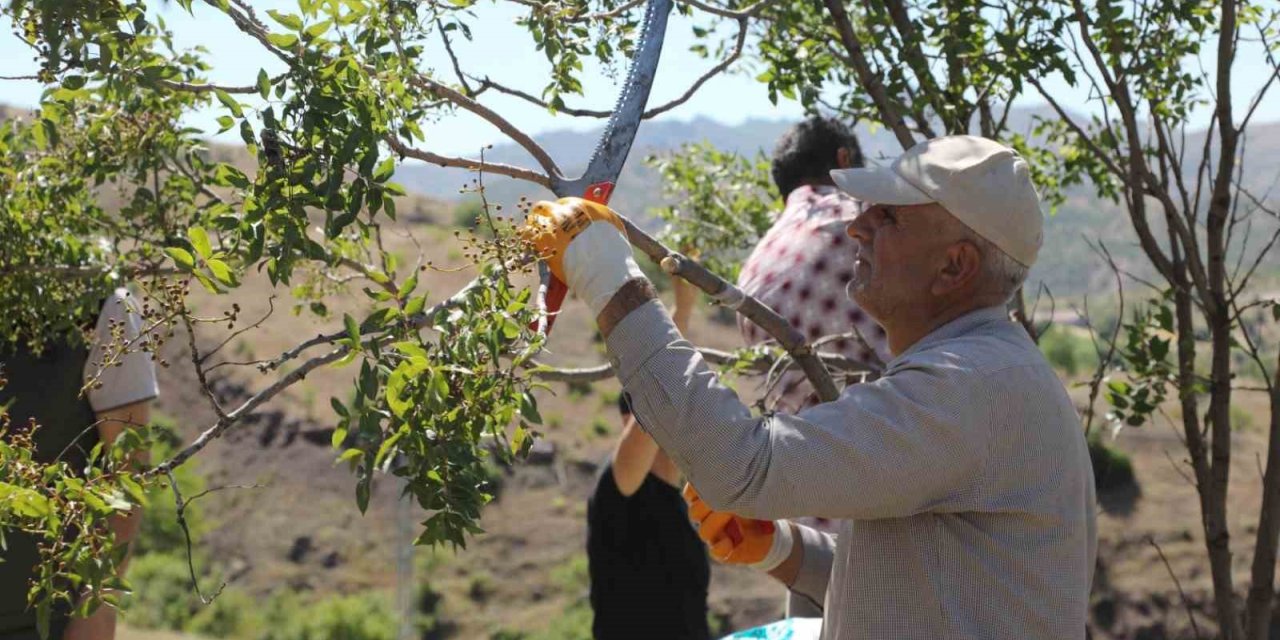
504, 51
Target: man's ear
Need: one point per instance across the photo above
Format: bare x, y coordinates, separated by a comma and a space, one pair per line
960, 270
844, 159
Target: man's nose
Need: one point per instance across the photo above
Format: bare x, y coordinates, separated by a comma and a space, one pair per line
859, 229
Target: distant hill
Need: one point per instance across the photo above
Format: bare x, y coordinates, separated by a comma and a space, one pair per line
1067, 265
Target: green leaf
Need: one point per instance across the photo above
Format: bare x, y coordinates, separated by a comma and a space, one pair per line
206, 282
25, 501
229, 102
362, 493
384, 170
339, 437
407, 287
283, 40
411, 349
529, 408
221, 271
510, 330
345, 360
415, 306
200, 241
264, 84
286, 20
181, 257
395, 387
318, 29
349, 454
338, 407
518, 440
135, 490
353, 329
386, 448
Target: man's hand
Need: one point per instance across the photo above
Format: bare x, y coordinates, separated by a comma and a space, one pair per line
732, 539
585, 245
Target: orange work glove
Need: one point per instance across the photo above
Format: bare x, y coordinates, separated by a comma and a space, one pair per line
592, 259
733, 539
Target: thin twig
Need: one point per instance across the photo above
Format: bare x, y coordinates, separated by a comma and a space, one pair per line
1185, 602
196, 361
453, 58
271, 307
719, 68
1104, 361
186, 533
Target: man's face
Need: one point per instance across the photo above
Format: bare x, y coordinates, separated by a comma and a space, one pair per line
899, 249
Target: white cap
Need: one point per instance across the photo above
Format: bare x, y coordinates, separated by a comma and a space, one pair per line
983, 183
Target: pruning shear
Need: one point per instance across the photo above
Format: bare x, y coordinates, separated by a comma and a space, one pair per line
597, 182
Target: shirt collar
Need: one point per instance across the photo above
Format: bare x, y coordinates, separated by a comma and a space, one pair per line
966, 323
804, 191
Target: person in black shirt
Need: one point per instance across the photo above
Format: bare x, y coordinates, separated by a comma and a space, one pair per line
649, 570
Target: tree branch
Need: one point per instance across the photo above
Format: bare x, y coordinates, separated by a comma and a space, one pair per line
1185, 602
714, 356
790, 339
489, 115
912, 53
519, 173
869, 81
719, 68
453, 58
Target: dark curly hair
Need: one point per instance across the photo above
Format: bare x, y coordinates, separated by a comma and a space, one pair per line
807, 151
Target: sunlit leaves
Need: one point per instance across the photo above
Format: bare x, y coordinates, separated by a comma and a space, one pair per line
1147, 372
724, 204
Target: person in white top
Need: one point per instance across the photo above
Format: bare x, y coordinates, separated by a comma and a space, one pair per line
46, 388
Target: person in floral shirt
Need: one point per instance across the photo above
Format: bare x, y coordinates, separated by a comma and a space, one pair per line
803, 264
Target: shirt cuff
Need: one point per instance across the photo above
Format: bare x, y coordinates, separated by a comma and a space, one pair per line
815, 569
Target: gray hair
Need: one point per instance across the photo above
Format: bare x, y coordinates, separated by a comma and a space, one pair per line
1004, 273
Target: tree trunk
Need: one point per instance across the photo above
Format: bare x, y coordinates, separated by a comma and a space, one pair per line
1262, 591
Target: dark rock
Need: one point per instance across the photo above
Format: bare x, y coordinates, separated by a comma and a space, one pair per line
331, 560
302, 546
1154, 631
1104, 613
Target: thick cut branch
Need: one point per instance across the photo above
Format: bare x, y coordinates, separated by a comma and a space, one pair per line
787, 336
714, 356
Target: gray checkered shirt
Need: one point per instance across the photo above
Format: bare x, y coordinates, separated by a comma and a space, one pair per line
961, 479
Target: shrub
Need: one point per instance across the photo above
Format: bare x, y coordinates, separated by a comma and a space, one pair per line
162, 595
362, 616
233, 614
573, 624
600, 427
1112, 469
573, 575
1068, 351
467, 213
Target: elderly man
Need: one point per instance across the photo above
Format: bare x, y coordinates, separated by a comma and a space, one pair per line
961, 476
